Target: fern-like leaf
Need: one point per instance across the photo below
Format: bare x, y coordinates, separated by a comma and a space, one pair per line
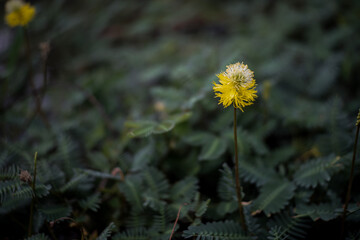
66, 153
294, 228
76, 180
42, 190
184, 190
53, 212
157, 187
162, 223
274, 196
132, 189
146, 128
18, 190
213, 148
106, 233
132, 234
227, 230
8, 187
324, 211
255, 173
277, 233
11, 172
135, 220
253, 224
98, 174
226, 185
201, 208
40, 236
92, 202
24, 192
317, 172
224, 208
197, 138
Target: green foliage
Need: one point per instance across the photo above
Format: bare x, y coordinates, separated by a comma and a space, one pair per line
132, 234
74, 182
98, 174
135, 220
146, 128
160, 224
42, 190
324, 211
40, 236
54, 212
274, 196
217, 230
156, 182
23, 193
107, 232
353, 235
202, 208
129, 130
132, 190
317, 171
256, 173
92, 202
226, 185
7, 187
212, 149
197, 138
11, 172
277, 233
183, 191
284, 225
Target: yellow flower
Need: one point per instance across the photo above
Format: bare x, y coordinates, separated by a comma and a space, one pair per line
237, 86
18, 13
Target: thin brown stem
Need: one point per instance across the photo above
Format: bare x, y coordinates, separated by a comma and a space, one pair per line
348, 194
177, 218
99, 107
43, 91
32, 83
33, 199
237, 178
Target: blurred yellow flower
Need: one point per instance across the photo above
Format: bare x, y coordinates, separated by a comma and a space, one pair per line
266, 90
237, 86
18, 13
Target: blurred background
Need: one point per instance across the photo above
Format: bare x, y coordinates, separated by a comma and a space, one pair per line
119, 71
137, 56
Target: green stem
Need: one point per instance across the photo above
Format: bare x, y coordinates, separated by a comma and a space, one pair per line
237, 178
348, 194
33, 199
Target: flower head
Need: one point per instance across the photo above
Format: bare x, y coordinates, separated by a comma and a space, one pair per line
237, 86
18, 13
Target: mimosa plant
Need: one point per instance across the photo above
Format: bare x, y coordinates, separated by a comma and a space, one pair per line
237, 88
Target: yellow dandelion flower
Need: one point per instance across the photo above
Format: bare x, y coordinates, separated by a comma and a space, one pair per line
18, 13
237, 86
